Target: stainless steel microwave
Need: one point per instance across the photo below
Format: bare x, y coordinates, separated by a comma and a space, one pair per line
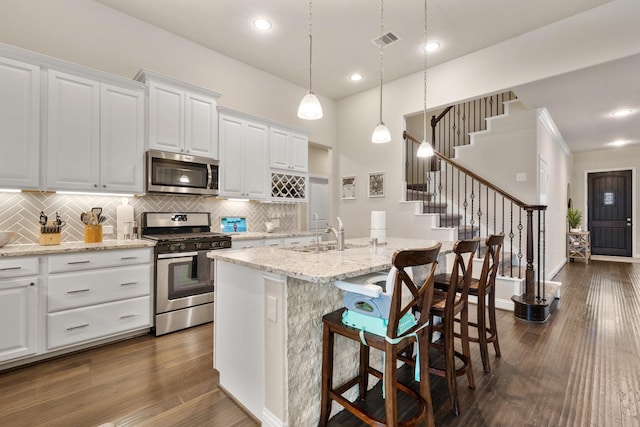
181, 174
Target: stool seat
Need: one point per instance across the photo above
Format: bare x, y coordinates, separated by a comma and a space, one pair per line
395, 344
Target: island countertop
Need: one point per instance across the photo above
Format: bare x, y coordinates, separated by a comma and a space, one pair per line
323, 267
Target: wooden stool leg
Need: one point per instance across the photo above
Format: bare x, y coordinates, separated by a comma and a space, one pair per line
425, 382
327, 375
482, 334
466, 351
391, 378
450, 366
492, 320
364, 364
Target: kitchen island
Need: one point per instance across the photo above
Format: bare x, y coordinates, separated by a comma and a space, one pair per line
269, 304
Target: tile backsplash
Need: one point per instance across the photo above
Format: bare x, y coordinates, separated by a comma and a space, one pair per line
20, 211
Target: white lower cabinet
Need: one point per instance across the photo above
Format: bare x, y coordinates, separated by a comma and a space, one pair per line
96, 321
94, 295
18, 308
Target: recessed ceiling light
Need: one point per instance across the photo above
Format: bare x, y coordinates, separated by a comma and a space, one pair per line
356, 77
622, 113
431, 46
262, 24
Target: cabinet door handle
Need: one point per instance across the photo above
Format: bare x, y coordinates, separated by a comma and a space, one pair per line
78, 262
10, 268
72, 328
247, 247
126, 258
128, 316
128, 284
78, 291
294, 243
274, 244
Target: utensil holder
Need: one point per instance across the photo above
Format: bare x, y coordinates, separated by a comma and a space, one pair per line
93, 233
48, 239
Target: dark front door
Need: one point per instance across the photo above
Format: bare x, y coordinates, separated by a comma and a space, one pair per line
610, 213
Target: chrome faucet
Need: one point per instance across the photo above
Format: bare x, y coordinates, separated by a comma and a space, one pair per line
315, 217
339, 233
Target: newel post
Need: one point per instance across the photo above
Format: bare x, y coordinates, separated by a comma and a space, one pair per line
530, 274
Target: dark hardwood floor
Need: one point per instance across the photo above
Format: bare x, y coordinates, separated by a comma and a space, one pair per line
582, 368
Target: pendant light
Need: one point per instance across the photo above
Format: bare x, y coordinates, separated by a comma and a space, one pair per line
310, 108
425, 149
381, 133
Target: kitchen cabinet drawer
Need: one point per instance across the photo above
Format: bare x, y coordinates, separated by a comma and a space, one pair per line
296, 241
90, 323
272, 243
18, 267
247, 244
99, 259
72, 290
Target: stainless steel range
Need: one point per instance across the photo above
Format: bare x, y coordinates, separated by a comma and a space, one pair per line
184, 288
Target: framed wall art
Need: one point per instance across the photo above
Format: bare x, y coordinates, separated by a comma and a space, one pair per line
376, 184
348, 187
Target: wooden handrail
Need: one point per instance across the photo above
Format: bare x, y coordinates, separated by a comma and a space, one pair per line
475, 176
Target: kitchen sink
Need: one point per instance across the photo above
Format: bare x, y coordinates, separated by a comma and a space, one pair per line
323, 247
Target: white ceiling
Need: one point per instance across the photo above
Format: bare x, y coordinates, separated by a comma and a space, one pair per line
342, 34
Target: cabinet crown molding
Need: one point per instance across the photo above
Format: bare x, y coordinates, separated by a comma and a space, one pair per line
148, 75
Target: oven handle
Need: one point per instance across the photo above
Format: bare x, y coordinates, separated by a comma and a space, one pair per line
177, 255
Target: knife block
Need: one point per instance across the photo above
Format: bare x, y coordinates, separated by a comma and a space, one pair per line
93, 233
48, 239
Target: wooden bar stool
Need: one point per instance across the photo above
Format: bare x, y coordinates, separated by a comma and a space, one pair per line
393, 344
484, 289
447, 305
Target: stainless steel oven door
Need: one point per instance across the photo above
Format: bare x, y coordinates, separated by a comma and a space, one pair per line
183, 280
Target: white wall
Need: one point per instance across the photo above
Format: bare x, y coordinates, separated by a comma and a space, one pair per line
600, 161
91, 34
552, 149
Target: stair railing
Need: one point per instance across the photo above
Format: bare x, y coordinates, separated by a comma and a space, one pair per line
482, 208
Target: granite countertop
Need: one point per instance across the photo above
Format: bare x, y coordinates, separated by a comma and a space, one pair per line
255, 235
66, 247
323, 267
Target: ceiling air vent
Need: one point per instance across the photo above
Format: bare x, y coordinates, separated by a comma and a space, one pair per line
385, 40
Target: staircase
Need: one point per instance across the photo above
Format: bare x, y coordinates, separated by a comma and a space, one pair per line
470, 206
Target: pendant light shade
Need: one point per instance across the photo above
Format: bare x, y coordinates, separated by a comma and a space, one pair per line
425, 149
381, 133
310, 108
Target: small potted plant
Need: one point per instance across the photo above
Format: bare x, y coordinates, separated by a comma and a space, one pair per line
574, 218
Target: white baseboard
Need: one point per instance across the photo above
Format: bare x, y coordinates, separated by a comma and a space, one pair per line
270, 420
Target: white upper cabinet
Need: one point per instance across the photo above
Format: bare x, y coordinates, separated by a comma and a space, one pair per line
182, 118
19, 125
244, 167
166, 118
201, 125
121, 139
73, 133
95, 135
289, 150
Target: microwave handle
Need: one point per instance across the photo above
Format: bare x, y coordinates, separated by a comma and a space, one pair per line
209, 177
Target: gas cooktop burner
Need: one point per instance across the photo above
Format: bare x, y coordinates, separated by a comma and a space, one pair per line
178, 232
185, 236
